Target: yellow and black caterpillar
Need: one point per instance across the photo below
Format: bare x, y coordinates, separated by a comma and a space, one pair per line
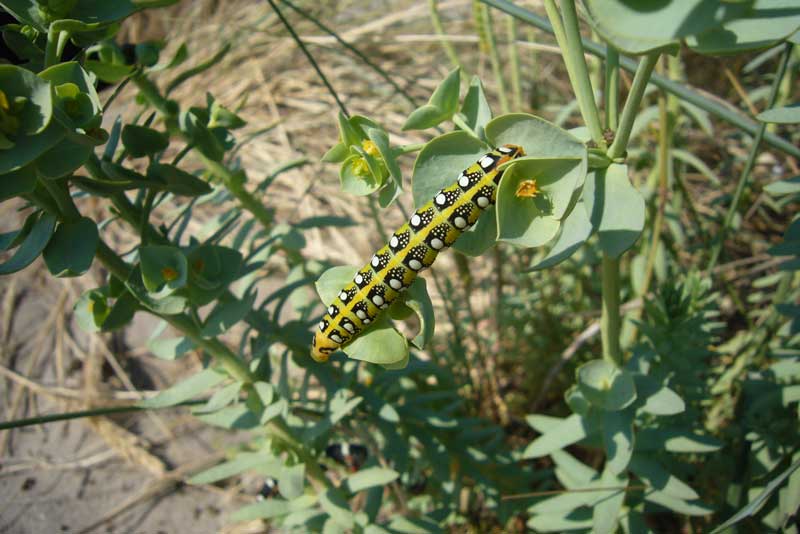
412, 248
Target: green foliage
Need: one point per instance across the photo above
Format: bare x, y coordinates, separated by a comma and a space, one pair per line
654, 412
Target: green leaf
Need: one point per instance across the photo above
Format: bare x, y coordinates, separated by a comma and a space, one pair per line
141, 141
571, 472
223, 117
198, 133
357, 174
241, 463
337, 507
571, 430
72, 248
575, 230
606, 386
108, 72
37, 110
476, 108
211, 269
72, 73
185, 389
177, 181
790, 186
606, 511
417, 299
220, 399
227, 313
267, 509
559, 522
618, 440
164, 269
754, 506
439, 163
27, 148
121, 312
783, 115
604, 194
539, 138
16, 183
657, 399
63, 159
651, 472
368, 478
635, 29
170, 348
91, 310
756, 25
33, 245
442, 105
675, 440
413, 525
677, 505
291, 480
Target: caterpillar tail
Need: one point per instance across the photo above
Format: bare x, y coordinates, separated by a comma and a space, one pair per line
411, 249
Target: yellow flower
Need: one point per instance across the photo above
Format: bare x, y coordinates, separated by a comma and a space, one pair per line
370, 148
527, 189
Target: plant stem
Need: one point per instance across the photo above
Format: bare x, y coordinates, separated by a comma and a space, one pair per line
751, 159
579, 72
60, 195
407, 149
310, 58
513, 54
109, 410
681, 90
632, 103
51, 48
494, 59
610, 321
436, 21
363, 57
611, 90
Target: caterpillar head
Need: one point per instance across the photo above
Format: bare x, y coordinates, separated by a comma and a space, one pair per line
322, 347
511, 152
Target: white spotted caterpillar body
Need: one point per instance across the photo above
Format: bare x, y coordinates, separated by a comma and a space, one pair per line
412, 248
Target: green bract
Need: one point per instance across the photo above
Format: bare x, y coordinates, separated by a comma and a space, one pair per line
441, 106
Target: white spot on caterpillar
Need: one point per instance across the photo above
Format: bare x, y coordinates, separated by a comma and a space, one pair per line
441, 199
359, 279
345, 449
349, 327
483, 202
395, 283
505, 150
463, 181
437, 243
460, 222
360, 314
415, 264
366, 321
393, 242
415, 220
322, 326
378, 300
384, 306
336, 338
376, 261
331, 310
486, 162
343, 296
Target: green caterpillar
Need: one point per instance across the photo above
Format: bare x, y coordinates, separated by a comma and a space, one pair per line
412, 248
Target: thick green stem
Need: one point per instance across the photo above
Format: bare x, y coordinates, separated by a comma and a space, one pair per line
632, 103
611, 321
60, 195
751, 159
436, 21
611, 92
681, 90
51, 48
579, 72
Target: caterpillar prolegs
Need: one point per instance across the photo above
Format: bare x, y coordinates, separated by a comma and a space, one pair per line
412, 248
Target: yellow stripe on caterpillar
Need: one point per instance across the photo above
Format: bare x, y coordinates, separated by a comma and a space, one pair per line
412, 248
